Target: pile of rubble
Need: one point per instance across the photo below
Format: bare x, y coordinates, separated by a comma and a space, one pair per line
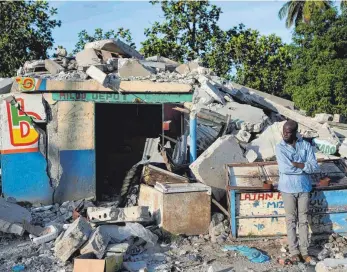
235, 124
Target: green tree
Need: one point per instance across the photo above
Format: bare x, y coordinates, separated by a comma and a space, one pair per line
317, 80
186, 32
301, 11
261, 62
99, 34
26, 33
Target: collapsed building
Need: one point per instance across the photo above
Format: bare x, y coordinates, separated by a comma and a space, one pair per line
111, 125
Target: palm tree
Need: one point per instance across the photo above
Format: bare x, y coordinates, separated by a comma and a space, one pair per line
297, 11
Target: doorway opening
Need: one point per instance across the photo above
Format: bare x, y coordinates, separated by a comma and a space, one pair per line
121, 131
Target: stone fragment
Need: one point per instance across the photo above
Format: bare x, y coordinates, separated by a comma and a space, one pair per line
53, 67
243, 136
118, 248
251, 155
153, 64
132, 68
213, 91
13, 213
185, 68
265, 145
87, 57
13, 228
109, 81
209, 166
73, 238
97, 243
115, 46
5, 85
323, 117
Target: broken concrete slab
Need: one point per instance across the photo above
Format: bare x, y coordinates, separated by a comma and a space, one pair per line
13, 213
115, 46
5, 85
113, 214
245, 117
13, 228
265, 145
73, 238
118, 248
209, 166
132, 68
87, 57
153, 64
247, 95
186, 68
33, 66
109, 81
53, 67
323, 117
212, 90
170, 65
97, 243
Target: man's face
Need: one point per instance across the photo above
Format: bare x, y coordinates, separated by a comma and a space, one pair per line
289, 134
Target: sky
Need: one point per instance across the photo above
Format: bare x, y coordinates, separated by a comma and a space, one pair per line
138, 15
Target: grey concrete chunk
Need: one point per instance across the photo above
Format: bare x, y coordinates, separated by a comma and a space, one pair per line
113, 214
209, 166
115, 46
243, 136
87, 57
265, 145
118, 248
53, 67
13, 213
323, 117
97, 243
213, 91
5, 85
13, 228
132, 68
107, 80
251, 155
153, 64
186, 68
73, 238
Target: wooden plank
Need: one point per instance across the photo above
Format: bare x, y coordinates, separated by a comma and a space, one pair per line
152, 175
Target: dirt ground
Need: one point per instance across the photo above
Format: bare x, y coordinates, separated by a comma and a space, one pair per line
185, 254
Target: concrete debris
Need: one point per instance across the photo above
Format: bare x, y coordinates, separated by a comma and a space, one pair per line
87, 57
13, 228
186, 68
243, 136
73, 238
132, 68
251, 155
114, 46
209, 166
323, 117
97, 243
5, 85
129, 214
53, 67
109, 81
151, 151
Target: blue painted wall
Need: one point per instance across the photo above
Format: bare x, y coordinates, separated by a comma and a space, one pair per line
78, 178
24, 177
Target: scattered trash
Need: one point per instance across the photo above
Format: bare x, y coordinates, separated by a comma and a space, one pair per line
254, 255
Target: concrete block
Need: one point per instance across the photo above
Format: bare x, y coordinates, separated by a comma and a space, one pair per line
11, 227
5, 85
323, 117
153, 64
338, 118
87, 57
115, 46
109, 81
251, 155
265, 145
118, 248
13, 213
213, 91
97, 243
132, 68
186, 68
74, 237
243, 136
129, 214
209, 166
53, 67
245, 117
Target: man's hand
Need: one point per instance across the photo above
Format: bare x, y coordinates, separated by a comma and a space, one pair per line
298, 165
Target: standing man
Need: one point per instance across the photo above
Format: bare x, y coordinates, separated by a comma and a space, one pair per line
296, 160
